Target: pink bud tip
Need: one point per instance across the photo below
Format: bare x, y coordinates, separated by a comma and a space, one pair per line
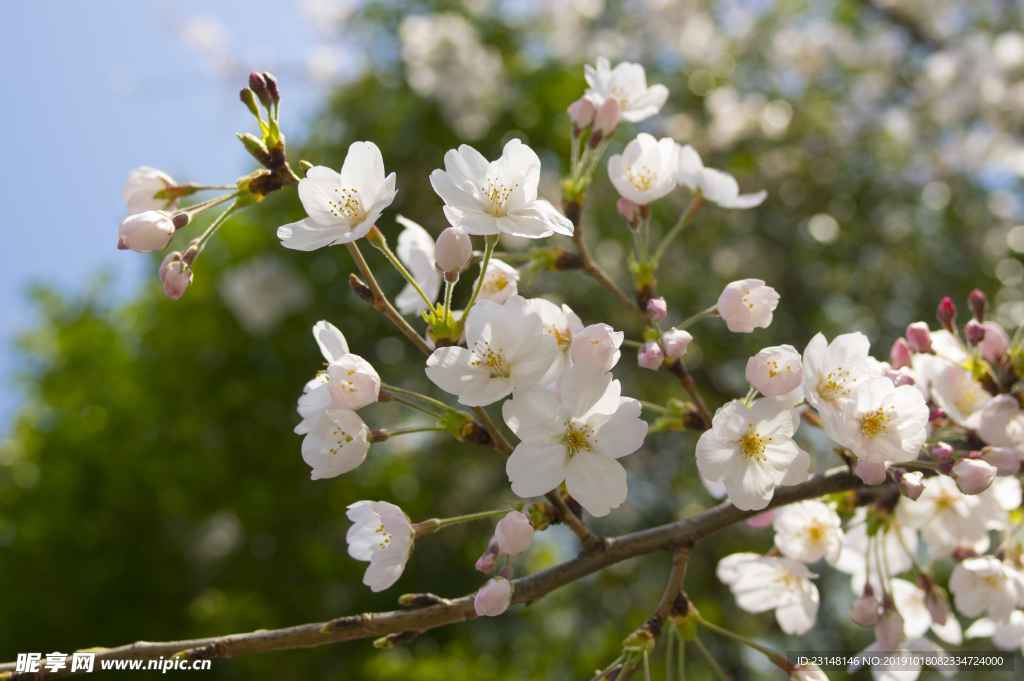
942, 452
870, 473
975, 332
1005, 460
947, 314
919, 338
657, 308
607, 118
762, 519
122, 244
978, 303
973, 476
629, 211
650, 356
900, 355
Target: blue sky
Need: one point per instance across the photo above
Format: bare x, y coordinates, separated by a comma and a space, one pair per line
94, 89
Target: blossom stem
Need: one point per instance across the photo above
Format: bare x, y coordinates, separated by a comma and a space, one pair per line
204, 187
688, 215
632, 343
603, 674
435, 524
773, 655
410, 393
647, 667
682, 656
413, 405
655, 407
406, 431
381, 245
210, 203
710, 312
490, 241
200, 243
449, 288
714, 665
669, 644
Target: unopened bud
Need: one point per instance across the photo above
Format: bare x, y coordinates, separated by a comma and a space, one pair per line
254, 146
870, 473
676, 342
629, 211
994, 345
1005, 460
947, 314
259, 87
395, 639
606, 120
173, 257
865, 611
973, 476
272, 90
581, 113
180, 220
176, 276
249, 99
145, 232
487, 562
941, 451
657, 308
937, 604
379, 434
493, 598
975, 332
889, 631
900, 355
978, 303
305, 166
514, 533
901, 377
453, 250
650, 356
421, 599
919, 338
936, 413
911, 483
376, 238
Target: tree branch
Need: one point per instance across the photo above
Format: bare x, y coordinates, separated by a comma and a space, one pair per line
684, 533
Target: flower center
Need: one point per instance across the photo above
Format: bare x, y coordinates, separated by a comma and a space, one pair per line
496, 282
496, 196
491, 359
344, 385
774, 370
563, 335
346, 205
577, 437
876, 422
753, 445
815, 533
643, 178
385, 538
833, 385
343, 439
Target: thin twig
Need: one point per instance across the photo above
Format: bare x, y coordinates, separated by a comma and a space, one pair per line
381, 304
590, 541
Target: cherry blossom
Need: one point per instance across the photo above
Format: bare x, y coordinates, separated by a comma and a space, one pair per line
353, 383
747, 304
383, 536
911, 603
962, 397
885, 423
145, 232
831, 373
598, 343
141, 188
1001, 422
500, 282
416, 251
577, 438
507, 347
995, 344
809, 531
514, 533
627, 82
497, 197
493, 598
645, 170
863, 557
712, 185
341, 207
336, 442
1006, 635
775, 371
751, 450
948, 519
562, 324
986, 583
761, 583
675, 342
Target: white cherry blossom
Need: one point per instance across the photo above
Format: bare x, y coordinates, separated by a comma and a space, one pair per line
775, 371
499, 196
963, 398
712, 185
341, 207
383, 536
562, 324
599, 343
416, 251
947, 518
986, 583
761, 583
507, 347
917, 620
747, 304
353, 383
577, 438
1001, 422
809, 531
831, 373
336, 442
645, 170
628, 83
142, 186
751, 450
917, 649
500, 282
1005, 635
885, 423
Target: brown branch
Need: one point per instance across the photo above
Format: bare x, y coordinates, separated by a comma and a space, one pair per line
589, 540
675, 583
686, 380
684, 533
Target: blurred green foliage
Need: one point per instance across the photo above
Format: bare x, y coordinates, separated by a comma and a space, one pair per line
151, 488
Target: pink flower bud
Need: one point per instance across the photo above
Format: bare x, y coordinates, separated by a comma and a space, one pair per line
177, 276
676, 342
978, 303
607, 118
353, 382
911, 483
170, 258
919, 338
975, 332
942, 452
657, 308
762, 519
145, 232
493, 598
973, 476
947, 314
889, 631
454, 250
901, 377
870, 473
487, 562
581, 112
994, 345
865, 611
650, 356
629, 211
1005, 460
747, 304
900, 355
514, 533
599, 343
938, 605
775, 371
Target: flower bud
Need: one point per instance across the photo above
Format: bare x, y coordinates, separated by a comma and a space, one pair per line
145, 232
650, 356
978, 303
900, 355
975, 332
889, 631
142, 187
775, 371
657, 308
606, 120
901, 377
629, 211
493, 598
176, 276
994, 345
599, 343
947, 314
454, 250
973, 476
865, 611
676, 342
259, 87
747, 304
870, 473
1005, 460
487, 562
911, 483
353, 382
514, 533
941, 451
581, 113
272, 90
919, 338
249, 99
937, 604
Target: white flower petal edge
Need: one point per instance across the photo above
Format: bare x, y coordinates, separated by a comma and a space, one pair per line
382, 535
645, 171
341, 207
416, 251
336, 442
628, 82
809, 531
762, 583
500, 282
576, 439
713, 185
884, 423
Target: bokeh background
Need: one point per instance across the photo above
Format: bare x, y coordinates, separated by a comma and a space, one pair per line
150, 485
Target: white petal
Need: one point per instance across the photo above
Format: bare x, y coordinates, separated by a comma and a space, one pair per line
534, 471
620, 433
597, 481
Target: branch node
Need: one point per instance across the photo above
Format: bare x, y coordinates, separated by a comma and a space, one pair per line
396, 639
422, 599
361, 289
346, 623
